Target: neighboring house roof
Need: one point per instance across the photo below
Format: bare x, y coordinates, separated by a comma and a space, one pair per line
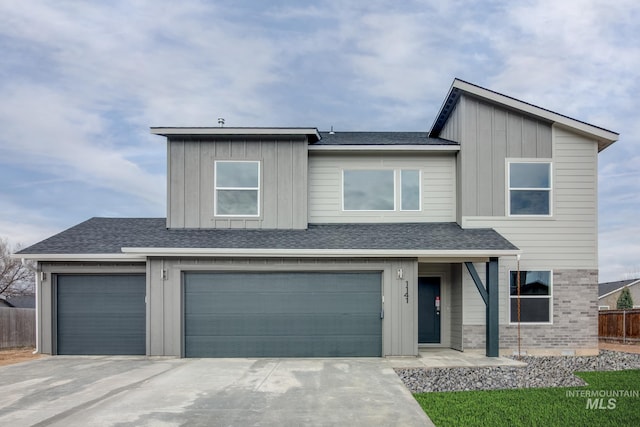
150, 236
605, 289
603, 136
22, 301
380, 138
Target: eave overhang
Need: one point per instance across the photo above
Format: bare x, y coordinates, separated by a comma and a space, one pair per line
318, 253
109, 257
141, 254
311, 133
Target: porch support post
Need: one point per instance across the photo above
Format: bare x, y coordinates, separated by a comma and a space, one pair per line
489, 295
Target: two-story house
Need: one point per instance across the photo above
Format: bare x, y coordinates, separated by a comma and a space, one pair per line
294, 242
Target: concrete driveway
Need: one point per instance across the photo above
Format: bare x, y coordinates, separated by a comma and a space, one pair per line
139, 391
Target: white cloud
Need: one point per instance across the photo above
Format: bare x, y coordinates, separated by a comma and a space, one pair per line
24, 227
170, 63
43, 129
570, 61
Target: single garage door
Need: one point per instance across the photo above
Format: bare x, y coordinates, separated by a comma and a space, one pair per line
282, 314
100, 314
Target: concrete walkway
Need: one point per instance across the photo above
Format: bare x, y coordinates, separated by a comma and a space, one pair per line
140, 391
449, 358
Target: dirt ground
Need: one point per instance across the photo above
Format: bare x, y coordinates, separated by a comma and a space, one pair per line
627, 348
17, 355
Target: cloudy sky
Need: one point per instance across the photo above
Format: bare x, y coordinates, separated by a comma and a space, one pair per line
81, 82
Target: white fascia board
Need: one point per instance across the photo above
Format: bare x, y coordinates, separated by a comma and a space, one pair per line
317, 253
620, 288
600, 134
166, 131
81, 257
404, 148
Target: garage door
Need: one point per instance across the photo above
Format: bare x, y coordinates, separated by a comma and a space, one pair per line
100, 314
282, 314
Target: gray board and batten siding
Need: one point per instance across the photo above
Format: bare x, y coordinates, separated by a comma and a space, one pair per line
491, 134
283, 180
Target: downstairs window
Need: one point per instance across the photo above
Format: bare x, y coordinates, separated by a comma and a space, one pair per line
535, 297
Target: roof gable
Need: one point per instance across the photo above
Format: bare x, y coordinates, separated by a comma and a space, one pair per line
459, 87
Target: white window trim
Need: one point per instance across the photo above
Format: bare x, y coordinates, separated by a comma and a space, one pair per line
399, 172
397, 190
216, 188
508, 190
550, 297
603, 307
395, 193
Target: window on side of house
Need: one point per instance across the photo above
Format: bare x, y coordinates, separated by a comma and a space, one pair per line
376, 190
536, 295
603, 307
530, 188
237, 188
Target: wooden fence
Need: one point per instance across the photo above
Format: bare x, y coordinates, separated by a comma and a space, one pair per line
17, 327
620, 325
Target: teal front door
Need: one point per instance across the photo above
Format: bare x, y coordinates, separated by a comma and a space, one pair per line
429, 310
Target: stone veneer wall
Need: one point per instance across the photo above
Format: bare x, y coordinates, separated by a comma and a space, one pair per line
575, 318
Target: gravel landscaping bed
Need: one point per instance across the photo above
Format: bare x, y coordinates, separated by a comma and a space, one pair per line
539, 372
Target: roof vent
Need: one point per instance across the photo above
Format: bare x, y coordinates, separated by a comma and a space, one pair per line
331, 132
221, 121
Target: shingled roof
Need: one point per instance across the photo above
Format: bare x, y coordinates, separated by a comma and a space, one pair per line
380, 138
610, 287
110, 235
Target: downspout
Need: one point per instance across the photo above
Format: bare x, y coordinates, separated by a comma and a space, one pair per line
518, 299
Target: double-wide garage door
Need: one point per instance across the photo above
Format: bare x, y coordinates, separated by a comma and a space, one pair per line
282, 314
100, 314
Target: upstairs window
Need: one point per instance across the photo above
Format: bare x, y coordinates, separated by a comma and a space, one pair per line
369, 190
409, 190
237, 188
530, 188
381, 190
535, 296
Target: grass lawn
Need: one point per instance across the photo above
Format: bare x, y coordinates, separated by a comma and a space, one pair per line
541, 406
